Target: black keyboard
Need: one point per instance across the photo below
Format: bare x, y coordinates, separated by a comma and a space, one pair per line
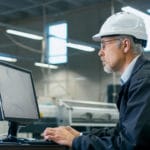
8, 143
28, 142
40, 142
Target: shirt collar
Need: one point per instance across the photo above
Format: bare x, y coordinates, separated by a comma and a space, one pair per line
127, 73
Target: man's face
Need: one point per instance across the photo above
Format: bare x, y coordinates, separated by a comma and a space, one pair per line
111, 54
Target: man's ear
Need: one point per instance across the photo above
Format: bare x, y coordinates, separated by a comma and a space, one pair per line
126, 45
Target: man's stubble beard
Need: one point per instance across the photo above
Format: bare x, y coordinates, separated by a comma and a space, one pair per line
107, 69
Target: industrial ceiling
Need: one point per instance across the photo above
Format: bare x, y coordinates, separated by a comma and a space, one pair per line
19, 9
14, 11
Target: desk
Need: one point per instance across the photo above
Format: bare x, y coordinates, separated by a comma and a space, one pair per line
32, 147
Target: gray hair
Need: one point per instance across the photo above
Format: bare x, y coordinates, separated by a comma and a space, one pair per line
136, 47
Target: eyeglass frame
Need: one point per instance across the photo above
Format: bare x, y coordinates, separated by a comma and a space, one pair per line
102, 43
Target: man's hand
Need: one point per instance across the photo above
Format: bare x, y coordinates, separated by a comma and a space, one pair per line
73, 131
61, 135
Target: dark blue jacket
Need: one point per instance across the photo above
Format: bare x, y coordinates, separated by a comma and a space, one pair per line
133, 129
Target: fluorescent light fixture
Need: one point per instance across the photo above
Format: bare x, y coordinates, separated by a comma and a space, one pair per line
24, 34
81, 47
9, 59
46, 65
75, 45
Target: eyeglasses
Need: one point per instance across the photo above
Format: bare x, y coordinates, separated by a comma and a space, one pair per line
103, 43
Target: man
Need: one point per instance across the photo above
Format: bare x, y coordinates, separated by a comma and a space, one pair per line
122, 38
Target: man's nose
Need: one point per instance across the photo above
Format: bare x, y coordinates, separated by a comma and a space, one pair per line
100, 53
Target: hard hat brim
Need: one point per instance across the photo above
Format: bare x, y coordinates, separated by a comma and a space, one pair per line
96, 37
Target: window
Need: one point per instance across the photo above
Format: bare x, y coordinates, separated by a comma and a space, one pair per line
57, 43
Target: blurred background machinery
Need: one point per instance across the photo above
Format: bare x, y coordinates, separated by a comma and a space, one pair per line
82, 115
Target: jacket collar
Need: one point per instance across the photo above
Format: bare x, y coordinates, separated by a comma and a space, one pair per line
139, 63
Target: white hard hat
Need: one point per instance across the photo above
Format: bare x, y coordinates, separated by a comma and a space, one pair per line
123, 23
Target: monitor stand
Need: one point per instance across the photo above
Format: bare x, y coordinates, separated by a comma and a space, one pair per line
12, 132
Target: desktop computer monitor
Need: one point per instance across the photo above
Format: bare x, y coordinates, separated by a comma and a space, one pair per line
18, 102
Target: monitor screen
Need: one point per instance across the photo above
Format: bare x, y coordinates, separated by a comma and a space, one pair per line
18, 103
17, 94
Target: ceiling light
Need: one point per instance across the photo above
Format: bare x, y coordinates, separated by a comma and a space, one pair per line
24, 34
73, 44
81, 47
9, 59
43, 65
